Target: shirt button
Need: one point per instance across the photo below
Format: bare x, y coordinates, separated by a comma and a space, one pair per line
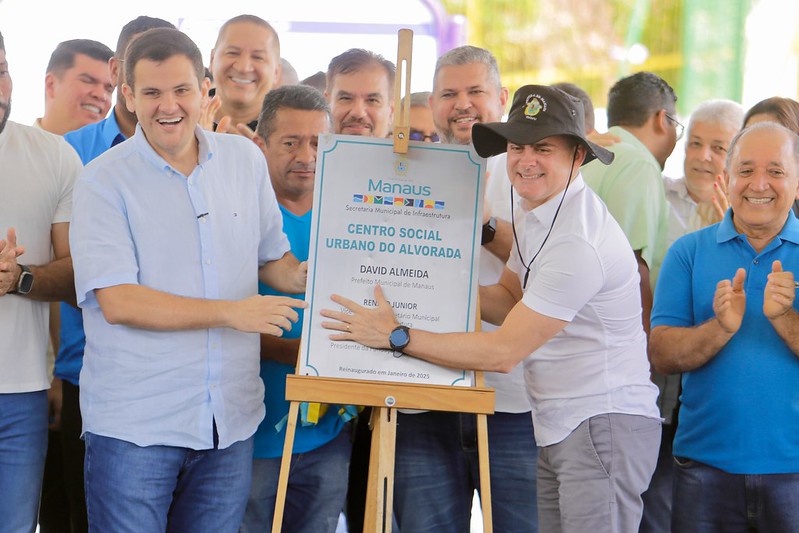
757, 261
207, 261
214, 346
202, 220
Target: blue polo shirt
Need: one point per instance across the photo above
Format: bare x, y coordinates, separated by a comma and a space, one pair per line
268, 440
89, 141
740, 411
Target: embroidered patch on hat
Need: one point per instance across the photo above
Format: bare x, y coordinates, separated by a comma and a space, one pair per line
534, 104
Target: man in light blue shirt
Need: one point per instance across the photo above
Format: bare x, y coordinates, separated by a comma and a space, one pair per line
172, 231
89, 142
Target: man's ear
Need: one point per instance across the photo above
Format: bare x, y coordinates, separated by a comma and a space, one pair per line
503, 97
49, 85
127, 91
258, 140
660, 122
113, 66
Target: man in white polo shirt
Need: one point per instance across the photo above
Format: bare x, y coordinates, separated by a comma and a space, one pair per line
570, 308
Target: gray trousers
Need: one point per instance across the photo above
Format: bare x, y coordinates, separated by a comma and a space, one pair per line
591, 482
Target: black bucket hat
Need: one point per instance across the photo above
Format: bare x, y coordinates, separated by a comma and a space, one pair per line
537, 112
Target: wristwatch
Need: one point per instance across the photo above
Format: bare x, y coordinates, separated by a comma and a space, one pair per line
399, 338
25, 283
489, 230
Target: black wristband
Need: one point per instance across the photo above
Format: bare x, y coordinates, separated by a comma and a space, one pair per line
489, 231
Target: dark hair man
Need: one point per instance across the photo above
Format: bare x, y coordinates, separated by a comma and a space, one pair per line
172, 231
77, 86
246, 65
292, 118
360, 89
90, 141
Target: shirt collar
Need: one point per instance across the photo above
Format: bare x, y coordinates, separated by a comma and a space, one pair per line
680, 188
789, 232
629, 138
205, 152
109, 130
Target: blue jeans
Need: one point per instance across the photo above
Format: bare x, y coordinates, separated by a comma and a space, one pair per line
707, 499
130, 489
23, 446
316, 489
437, 470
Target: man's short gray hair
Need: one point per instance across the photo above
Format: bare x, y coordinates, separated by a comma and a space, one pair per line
725, 113
761, 126
420, 99
467, 55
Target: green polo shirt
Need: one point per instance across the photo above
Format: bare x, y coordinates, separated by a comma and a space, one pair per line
632, 188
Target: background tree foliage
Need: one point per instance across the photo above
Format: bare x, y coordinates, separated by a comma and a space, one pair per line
588, 42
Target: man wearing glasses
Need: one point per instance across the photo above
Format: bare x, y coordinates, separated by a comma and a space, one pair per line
422, 126
641, 111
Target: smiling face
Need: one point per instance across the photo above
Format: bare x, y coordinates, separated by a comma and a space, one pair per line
246, 65
360, 102
540, 171
167, 98
5, 90
464, 95
79, 95
705, 153
763, 182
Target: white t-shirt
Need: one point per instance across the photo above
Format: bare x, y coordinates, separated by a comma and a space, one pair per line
38, 171
586, 274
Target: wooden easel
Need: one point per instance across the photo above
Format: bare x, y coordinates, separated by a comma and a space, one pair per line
385, 397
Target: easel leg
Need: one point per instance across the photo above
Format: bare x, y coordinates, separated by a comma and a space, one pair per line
485, 473
380, 490
285, 464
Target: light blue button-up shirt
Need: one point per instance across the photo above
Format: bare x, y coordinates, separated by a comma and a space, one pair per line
136, 220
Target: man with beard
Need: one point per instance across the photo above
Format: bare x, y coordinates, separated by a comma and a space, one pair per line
39, 170
360, 89
436, 459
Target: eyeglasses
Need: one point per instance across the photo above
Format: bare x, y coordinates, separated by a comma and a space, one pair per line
419, 135
679, 127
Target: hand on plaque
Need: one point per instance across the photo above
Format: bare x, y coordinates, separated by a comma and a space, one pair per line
368, 326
